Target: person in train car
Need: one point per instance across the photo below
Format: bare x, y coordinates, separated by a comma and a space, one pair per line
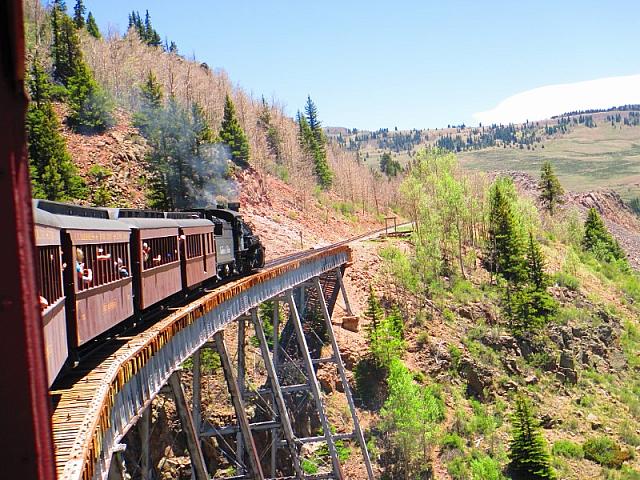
85, 275
103, 256
122, 268
146, 252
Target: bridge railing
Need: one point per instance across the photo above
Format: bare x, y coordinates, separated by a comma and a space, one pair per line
143, 366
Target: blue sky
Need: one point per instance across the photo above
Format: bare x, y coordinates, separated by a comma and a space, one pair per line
372, 64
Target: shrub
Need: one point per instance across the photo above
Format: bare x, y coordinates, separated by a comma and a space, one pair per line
485, 468
628, 433
605, 451
567, 280
452, 441
456, 356
567, 448
448, 316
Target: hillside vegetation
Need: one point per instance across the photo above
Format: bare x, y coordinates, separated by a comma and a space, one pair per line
101, 78
590, 150
509, 316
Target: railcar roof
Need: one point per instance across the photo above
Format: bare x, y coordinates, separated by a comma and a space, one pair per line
76, 217
149, 223
42, 217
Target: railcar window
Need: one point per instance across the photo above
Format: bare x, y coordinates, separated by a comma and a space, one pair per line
159, 251
49, 275
211, 246
101, 264
194, 245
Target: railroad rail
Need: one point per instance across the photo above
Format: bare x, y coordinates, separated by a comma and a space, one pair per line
100, 402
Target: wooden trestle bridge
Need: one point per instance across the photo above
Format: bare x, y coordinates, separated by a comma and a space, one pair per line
109, 396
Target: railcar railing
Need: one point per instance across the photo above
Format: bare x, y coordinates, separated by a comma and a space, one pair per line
93, 415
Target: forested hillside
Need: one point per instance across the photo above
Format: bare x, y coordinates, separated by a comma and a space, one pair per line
502, 335
591, 149
190, 117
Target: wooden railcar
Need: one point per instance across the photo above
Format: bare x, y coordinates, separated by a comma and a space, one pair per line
97, 280
155, 257
197, 248
51, 292
100, 296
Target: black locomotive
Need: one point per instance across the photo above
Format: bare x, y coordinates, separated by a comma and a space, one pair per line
100, 267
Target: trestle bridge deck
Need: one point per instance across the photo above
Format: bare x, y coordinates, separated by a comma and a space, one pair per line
110, 392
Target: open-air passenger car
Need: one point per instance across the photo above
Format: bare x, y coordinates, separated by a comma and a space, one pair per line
155, 255
197, 248
52, 298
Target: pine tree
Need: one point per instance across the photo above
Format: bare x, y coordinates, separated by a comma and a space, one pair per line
150, 35
272, 135
535, 265
201, 127
90, 106
151, 91
528, 452
231, 133
78, 14
599, 241
505, 244
531, 305
151, 100
92, 26
374, 314
311, 112
66, 45
551, 190
53, 174
312, 144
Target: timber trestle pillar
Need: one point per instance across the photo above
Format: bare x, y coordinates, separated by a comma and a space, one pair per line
273, 443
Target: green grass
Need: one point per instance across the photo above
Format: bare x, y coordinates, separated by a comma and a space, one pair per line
567, 448
584, 158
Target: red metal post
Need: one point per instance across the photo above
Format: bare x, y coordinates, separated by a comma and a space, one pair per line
25, 431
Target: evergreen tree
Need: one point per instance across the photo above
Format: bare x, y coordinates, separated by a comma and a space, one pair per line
531, 304
53, 174
599, 241
151, 91
311, 112
389, 166
150, 35
530, 459
535, 265
505, 243
92, 26
551, 190
374, 314
231, 133
66, 45
90, 106
201, 127
273, 137
78, 13
312, 142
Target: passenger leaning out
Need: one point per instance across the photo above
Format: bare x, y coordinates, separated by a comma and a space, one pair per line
85, 275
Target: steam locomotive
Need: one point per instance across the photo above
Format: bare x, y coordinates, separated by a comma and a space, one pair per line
99, 268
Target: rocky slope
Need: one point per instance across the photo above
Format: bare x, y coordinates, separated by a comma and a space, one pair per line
619, 218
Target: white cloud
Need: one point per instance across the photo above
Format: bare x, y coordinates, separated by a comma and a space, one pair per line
543, 102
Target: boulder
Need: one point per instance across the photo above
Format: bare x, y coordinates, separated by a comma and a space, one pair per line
351, 323
479, 379
566, 360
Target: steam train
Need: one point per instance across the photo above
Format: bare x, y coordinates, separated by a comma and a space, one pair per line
100, 268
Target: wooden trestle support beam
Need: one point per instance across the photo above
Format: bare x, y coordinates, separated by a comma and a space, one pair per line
280, 427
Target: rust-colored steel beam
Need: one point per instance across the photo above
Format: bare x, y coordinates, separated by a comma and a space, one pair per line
24, 405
